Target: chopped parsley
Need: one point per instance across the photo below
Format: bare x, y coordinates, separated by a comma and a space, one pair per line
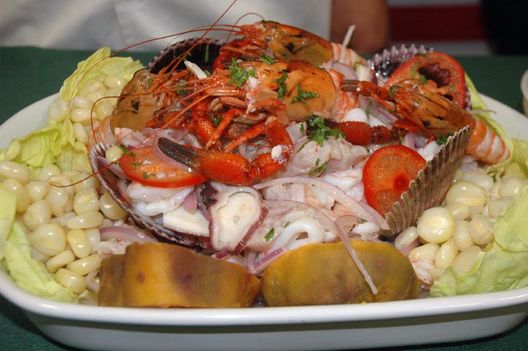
281, 81
216, 120
181, 87
267, 59
287, 224
146, 175
269, 235
126, 150
319, 131
206, 54
368, 108
238, 75
392, 91
303, 95
442, 139
318, 169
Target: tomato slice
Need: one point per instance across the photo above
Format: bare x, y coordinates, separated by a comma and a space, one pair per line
444, 70
387, 174
144, 166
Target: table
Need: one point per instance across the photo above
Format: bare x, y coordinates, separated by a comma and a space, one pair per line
29, 74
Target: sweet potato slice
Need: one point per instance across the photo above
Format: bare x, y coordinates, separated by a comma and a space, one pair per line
166, 275
320, 274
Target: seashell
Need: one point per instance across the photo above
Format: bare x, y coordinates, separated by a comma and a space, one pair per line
438, 174
115, 184
203, 54
386, 62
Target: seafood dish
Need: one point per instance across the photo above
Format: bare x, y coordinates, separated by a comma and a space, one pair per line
273, 168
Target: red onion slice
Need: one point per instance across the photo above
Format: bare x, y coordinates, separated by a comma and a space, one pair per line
126, 233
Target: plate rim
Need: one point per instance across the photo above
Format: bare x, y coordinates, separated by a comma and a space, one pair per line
427, 307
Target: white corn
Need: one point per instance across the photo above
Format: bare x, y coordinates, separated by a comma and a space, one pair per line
86, 201
466, 193
70, 280
60, 260
22, 198
14, 170
496, 207
86, 220
114, 153
91, 86
96, 95
62, 181
466, 259
94, 236
79, 243
478, 178
84, 181
425, 252
48, 239
510, 186
458, 210
461, 237
85, 265
48, 171
406, 238
80, 133
113, 82
110, 208
58, 110
81, 102
113, 92
446, 254
57, 199
481, 230
81, 115
37, 214
37, 189
104, 108
436, 225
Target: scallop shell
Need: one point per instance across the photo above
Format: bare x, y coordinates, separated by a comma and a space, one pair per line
203, 54
430, 186
386, 62
116, 185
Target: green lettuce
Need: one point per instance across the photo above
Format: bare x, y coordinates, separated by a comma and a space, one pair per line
56, 142
503, 265
30, 274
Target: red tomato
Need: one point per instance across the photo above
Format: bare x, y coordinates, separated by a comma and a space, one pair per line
144, 166
441, 68
387, 174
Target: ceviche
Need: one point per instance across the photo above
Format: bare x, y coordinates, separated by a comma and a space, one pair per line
274, 167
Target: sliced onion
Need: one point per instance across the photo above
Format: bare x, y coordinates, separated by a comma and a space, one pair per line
126, 233
261, 263
358, 209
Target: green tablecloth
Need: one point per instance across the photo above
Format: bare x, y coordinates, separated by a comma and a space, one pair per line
29, 74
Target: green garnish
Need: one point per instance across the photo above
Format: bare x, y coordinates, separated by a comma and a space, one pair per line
302, 129
392, 91
216, 120
267, 59
126, 150
181, 87
287, 224
318, 169
269, 235
206, 54
238, 75
146, 175
319, 131
281, 81
368, 108
303, 95
442, 139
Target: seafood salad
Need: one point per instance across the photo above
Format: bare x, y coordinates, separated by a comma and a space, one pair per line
228, 173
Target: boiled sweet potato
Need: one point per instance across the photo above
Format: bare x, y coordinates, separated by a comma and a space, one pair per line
166, 275
320, 274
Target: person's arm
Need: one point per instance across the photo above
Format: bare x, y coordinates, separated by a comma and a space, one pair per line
371, 18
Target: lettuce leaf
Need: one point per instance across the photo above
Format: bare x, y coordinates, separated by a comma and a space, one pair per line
30, 274
502, 266
56, 143
7, 216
